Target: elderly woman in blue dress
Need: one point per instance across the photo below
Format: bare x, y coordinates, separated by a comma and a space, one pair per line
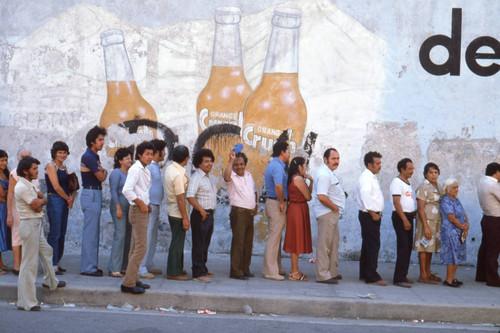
454, 229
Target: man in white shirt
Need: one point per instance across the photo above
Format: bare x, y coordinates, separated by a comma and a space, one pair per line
29, 203
329, 203
489, 199
242, 194
136, 190
403, 214
371, 204
202, 195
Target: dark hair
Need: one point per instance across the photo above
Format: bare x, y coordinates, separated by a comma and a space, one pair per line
180, 153
198, 156
328, 151
58, 146
25, 165
370, 156
158, 145
142, 147
243, 156
120, 154
294, 167
3, 153
402, 163
93, 134
429, 166
278, 147
492, 168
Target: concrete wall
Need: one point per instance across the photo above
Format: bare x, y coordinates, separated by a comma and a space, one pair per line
359, 73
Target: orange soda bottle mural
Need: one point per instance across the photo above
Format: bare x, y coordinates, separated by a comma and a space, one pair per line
124, 102
276, 105
223, 98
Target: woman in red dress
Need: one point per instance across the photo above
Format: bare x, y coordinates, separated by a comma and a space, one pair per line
298, 231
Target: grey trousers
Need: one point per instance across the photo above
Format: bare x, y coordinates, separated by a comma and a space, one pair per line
34, 245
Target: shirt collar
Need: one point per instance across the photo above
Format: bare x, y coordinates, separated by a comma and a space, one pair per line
201, 172
491, 179
26, 182
179, 167
279, 161
92, 152
139, 165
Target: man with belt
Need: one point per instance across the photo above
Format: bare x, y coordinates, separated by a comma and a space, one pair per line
29, 203
489, 199
242, 194
403, 213
371, 204
92, 177
275, 179
202, 195
329, 203
147, 268
136, 190
176, 184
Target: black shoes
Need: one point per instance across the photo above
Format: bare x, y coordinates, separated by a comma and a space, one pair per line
241, 277
58, 272
250, 275
35, 308
133, 290
452, 284
97, 273
61, 284
142, 285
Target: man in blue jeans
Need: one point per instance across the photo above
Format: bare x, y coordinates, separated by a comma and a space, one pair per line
92, 177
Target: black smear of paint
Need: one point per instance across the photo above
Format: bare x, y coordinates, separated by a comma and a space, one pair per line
218, 130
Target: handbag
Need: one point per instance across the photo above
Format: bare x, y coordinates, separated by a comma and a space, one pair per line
73, 184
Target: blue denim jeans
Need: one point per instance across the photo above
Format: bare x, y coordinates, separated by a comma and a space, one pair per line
91, 207
57, 211
119, 236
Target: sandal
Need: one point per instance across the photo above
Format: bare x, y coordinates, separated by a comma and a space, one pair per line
115, 274
302, 277
7, 269
435, 278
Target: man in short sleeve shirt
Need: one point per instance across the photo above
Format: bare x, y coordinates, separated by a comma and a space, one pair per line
275, 179
329, 203
489, 199
403, 214
91, 197
176, 184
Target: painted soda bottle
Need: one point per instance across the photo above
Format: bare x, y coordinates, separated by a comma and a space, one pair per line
276, 105
223, 98
124, 105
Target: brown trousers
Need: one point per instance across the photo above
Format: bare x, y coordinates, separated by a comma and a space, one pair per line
138, 245
272, 253
242, 241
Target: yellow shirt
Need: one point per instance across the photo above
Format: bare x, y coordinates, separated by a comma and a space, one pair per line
175, 182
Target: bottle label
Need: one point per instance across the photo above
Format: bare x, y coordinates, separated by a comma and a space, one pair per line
264, 137
217, 117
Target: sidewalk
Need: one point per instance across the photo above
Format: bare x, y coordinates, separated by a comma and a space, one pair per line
472, 303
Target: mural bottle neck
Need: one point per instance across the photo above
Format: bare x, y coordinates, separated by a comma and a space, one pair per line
117, 63
283, 50
227, 43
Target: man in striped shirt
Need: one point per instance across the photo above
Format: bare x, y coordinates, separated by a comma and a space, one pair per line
202, 195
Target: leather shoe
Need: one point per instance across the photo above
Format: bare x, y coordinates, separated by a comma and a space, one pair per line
142, 285
250, 275
61, 284
178, 277
452, 284
241, 277
381, 283
329, 281
97, 273
402, 284
58, 272
409, 281
132, 290
35, 308
210, 274
338, 277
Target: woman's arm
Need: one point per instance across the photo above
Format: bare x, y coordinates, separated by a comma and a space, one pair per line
52, 173
423, 218
303, 188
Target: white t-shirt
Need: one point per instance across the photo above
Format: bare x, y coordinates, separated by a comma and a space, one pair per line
326, 183
400, 188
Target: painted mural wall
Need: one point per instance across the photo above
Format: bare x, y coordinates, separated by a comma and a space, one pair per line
355, 76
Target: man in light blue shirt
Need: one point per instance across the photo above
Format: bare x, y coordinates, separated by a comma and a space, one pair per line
148, 269
275, 179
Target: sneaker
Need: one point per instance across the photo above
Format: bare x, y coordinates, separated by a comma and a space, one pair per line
277, 277
147, 276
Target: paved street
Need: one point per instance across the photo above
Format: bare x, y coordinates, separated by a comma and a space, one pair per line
58, 319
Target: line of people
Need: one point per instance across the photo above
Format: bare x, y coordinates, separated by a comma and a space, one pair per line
137, 191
